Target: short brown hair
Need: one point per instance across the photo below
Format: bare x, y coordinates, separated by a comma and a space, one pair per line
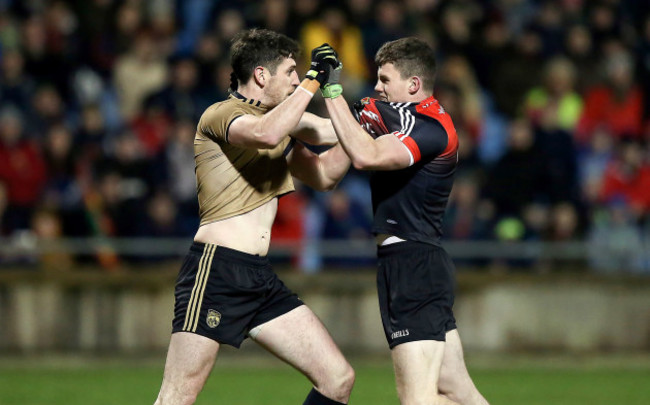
260, 47
411, 57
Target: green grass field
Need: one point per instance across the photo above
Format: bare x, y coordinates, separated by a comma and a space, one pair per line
268, 382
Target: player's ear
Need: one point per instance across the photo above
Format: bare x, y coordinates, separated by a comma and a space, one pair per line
259, 76
414, 84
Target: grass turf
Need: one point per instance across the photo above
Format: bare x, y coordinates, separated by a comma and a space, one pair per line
525, 383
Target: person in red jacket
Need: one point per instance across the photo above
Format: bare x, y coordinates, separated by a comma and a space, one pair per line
628, 178
616, 106
22, 170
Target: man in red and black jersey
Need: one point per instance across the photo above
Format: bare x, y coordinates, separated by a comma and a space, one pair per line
409, 142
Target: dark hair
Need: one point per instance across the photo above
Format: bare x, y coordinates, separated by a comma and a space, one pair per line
411, 57
259, 47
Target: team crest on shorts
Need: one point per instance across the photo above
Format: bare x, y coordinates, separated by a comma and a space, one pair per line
213, 319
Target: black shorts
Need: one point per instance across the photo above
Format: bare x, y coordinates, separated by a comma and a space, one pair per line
415, 285
223, 293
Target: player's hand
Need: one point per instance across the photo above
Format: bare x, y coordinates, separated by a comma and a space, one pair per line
331, 88
323, 60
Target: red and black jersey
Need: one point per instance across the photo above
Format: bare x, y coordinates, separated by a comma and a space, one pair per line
410, 203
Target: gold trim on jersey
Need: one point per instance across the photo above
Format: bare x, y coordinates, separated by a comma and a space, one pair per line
196, 299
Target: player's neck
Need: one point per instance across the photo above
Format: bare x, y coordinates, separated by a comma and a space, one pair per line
415, 98
418, 97
251, 91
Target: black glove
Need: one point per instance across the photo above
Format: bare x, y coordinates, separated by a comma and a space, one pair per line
324, 59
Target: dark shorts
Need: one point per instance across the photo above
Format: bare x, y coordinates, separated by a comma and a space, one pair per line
415, 284
223, 293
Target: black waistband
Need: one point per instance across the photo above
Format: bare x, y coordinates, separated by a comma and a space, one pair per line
404, 248
230, 254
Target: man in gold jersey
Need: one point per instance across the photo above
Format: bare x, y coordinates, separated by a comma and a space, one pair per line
246, 150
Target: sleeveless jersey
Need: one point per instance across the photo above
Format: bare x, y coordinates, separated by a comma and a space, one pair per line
410, 203
232, 180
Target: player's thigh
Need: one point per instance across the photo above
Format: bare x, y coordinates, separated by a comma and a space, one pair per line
300, 338
417, 368
454, 376
190, 359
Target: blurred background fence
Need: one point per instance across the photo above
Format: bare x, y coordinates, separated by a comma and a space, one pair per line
513, 297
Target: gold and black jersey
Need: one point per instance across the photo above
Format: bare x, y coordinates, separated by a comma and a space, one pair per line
232, 180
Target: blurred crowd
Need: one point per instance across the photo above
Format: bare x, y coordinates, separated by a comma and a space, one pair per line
99, 101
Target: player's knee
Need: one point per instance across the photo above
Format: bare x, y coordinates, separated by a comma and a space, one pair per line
421, 401
459, 389
181, 399
183, 395
423, 397
344, 380
339, 383
347, 381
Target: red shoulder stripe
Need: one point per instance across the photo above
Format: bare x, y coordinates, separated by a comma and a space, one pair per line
431, 108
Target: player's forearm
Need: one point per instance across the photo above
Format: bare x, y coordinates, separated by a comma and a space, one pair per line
315, 130
334, 164
356, 142
275, 125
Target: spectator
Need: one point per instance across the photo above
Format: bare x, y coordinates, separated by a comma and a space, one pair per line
48, 108
47, 227
275, 15
139, 73
388, 24
43, 61
556, 102
627, 179
517, 179
593, 160
467, 217
176, 170
334, 28
615, 242
63, 194
181, 98
152, 124
345, 219
549, 24
15, 86
22, 170
161, 218
579, 50
617, 105
92, 134
515, 73
456, 71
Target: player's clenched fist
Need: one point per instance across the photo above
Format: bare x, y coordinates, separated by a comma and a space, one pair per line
323, 60
331, 87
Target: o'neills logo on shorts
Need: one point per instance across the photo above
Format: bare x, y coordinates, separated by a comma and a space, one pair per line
399, 334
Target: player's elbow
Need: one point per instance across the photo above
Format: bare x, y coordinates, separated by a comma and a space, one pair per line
328, 185
267, 139
362, 163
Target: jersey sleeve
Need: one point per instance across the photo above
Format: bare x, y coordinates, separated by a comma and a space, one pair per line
367, 114
216, 120
424, 138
